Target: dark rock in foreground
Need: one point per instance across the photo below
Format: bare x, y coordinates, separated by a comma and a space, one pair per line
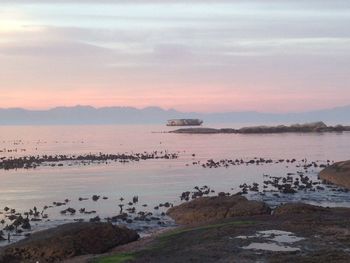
298, 208
67, 241
337, 173
208, 209
299, 128
295, 233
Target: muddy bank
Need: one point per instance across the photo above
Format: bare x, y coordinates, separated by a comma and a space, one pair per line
317, 127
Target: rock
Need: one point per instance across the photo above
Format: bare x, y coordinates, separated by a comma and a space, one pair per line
205, 209
2, 238
122, 216
196, 130
95, 219
66, 241
307, 127
221, 194
287, 189
58, 203
9, 228
68, 210
26, 224
95, 197
337, 173
298, 208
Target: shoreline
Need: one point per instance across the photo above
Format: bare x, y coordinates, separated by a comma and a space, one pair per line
292, 232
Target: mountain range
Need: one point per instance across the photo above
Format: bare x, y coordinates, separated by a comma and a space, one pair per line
78, 115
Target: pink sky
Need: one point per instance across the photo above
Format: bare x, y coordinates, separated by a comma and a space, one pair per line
201, 56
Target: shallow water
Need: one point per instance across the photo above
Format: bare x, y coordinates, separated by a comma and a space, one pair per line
273, 240
280, 236
271, 247
154, 181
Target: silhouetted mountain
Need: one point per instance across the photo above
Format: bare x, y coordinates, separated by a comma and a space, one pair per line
156, 115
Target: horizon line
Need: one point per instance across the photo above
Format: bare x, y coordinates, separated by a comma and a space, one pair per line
170, 109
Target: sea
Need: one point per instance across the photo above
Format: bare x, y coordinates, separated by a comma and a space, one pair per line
154, 181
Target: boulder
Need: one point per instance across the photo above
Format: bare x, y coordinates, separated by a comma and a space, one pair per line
298, 208
66, 241
206, 209
337, 173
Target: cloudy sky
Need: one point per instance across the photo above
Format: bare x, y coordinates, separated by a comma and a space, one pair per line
198, 55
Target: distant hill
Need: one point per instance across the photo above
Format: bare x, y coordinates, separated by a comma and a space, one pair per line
155, 115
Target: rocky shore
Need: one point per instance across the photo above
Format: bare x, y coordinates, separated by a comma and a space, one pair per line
67, 241
338, 173
221, 228
206, 209
212, 226
299, 182
293, 232
295, 128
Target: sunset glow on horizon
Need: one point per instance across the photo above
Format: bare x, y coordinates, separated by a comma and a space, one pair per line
206, 56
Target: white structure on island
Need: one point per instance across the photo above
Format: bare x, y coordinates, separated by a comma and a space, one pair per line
184, 122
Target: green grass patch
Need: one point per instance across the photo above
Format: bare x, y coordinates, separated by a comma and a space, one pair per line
118, 258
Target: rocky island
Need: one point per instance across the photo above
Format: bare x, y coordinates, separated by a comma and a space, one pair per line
315, 127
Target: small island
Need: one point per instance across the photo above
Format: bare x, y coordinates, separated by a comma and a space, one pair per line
315, 127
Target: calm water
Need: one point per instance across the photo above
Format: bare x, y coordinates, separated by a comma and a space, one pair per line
153, 181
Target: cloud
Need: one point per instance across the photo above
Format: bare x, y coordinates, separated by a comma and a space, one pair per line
297, 2
239, 48
53, 49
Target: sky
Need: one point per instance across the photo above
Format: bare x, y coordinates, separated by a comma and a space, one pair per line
191, 55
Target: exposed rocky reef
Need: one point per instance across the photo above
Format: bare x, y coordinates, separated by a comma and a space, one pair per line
295, 128
27, 162
338, 173
297, 183
18, 224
